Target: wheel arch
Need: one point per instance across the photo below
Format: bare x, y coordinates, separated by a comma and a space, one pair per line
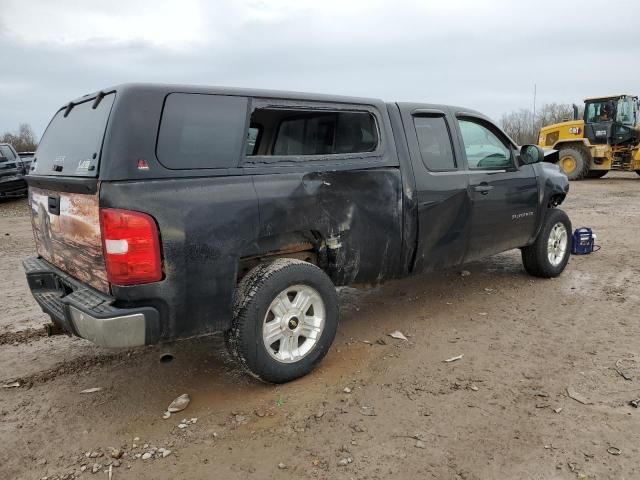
556, 199
580, 141
575, 143
306, 245
568, 143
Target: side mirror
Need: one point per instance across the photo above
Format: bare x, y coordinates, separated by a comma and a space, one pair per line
530, 154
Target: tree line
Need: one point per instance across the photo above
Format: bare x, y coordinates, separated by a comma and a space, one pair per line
523, 127
24, 140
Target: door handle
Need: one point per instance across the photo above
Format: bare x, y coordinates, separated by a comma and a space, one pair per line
484, 188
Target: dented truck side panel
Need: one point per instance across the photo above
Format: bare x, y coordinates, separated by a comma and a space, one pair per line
356, 215
204, 225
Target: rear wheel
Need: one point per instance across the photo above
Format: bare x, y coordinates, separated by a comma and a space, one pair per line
285, 319
574, 162
597, 173
548, 256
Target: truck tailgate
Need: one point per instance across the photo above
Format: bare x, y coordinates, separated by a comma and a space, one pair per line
66, 228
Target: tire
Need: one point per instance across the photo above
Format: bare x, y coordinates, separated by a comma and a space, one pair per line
574, 162
638, 172
597, 173
278, 287
536, 257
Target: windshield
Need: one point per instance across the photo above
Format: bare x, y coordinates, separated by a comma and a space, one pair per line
626, 113
7, 153
71, 145
622, 110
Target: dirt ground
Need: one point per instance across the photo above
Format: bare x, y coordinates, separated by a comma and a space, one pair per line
376, 407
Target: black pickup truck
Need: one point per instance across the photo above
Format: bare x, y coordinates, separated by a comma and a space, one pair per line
170, 211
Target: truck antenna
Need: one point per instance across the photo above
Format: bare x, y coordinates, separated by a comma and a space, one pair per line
533, 125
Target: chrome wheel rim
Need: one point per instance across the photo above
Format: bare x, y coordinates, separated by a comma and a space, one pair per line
293, 323
557, 244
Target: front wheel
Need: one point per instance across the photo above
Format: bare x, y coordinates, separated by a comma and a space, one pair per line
285, 319
574, 161
548, 256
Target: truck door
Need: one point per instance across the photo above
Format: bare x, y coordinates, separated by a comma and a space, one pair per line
441, 189
504, 195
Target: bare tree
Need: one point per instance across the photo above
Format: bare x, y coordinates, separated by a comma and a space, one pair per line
519, 125
555, 113
23, 140
524, 129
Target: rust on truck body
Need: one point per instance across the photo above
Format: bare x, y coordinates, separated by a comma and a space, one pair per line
71, 239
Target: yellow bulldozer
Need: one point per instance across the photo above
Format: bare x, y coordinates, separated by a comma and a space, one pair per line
607, 138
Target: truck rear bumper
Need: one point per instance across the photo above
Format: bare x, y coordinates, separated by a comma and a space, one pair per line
88, 313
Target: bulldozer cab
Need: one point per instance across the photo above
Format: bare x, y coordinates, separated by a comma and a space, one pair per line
611, 120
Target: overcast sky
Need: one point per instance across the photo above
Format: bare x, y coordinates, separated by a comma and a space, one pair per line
484, 54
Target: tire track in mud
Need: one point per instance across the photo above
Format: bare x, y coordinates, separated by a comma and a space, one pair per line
190, 350
78, 365
22, 336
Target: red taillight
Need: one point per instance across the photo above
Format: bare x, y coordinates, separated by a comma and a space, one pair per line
131, 246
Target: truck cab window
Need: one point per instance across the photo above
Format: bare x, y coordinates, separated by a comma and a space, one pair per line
601, 111
434, 141
308, 135
201, 131
484, 150
289, 132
